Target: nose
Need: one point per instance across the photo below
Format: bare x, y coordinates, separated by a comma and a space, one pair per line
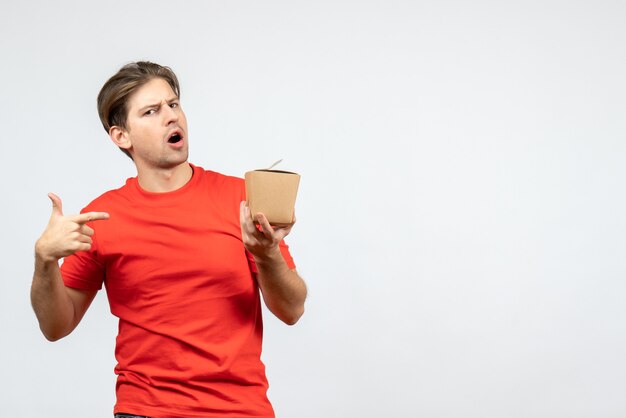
170, 115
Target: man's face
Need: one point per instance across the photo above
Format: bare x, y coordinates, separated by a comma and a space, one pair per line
156, 127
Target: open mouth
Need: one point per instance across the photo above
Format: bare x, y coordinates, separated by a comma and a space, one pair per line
175, 138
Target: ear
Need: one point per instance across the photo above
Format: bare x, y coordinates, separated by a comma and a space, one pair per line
119, 136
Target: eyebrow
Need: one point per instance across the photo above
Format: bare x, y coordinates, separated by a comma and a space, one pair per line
175, 99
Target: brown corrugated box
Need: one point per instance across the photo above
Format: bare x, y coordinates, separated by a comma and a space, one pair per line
273, 193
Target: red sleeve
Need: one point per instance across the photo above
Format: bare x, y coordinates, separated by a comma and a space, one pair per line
84, 270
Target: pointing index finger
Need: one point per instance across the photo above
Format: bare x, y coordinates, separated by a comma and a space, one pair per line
90, 216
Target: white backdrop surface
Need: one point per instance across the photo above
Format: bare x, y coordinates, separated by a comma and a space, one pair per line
461, 212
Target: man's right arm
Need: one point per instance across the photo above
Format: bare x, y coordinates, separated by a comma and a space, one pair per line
58, 308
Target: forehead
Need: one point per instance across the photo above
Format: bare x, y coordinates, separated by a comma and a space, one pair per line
153, 92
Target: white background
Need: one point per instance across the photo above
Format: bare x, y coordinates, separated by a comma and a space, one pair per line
461, 211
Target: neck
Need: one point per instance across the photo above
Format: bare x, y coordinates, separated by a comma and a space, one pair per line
161, 180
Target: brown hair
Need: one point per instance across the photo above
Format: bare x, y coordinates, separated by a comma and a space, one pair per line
114, 95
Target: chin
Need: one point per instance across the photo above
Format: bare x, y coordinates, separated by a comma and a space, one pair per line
172, 162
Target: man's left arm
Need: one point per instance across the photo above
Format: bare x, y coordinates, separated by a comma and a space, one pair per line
283, 289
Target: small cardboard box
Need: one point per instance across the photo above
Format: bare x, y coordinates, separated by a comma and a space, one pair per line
273, 193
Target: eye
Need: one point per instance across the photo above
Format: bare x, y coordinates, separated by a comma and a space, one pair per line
149, 112
174, 105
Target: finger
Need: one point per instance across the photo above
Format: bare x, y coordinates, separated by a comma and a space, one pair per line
249, 232
266, 228
57, 205
244, 220
83, 246
251, 228
281, 232
84, 239
89, 217
242, 213
85, 230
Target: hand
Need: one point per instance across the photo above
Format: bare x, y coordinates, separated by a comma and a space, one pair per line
65, 235
263, 242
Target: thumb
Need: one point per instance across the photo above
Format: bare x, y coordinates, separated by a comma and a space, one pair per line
57, 206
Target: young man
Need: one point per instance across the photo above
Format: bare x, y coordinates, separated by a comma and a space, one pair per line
182, 261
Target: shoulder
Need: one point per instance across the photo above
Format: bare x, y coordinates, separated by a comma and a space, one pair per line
222, 194
110, 199
222, 183
221, 178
